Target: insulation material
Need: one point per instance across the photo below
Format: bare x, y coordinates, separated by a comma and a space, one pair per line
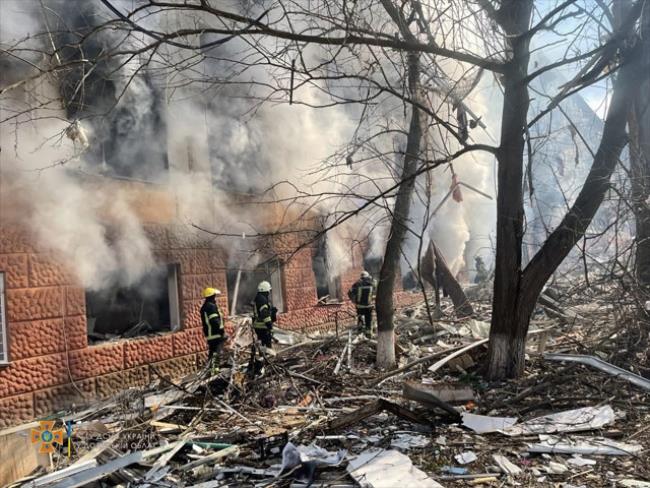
584, 445
587, 418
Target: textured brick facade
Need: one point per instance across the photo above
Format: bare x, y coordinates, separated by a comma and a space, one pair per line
51, 364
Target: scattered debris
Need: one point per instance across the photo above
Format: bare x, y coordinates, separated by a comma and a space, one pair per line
587, 418
380, 468
466, 457
299, 425
405, 441
435, 367
506, 466
603, 366
482, 424
584, 445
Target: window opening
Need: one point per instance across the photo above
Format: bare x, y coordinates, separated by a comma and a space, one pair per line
242, 286
147, 307
328, 287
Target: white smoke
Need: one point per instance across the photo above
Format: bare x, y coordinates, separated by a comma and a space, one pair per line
220, 136
95, 232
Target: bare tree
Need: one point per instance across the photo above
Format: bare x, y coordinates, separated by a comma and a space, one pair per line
378, 44
516, 289
639, 123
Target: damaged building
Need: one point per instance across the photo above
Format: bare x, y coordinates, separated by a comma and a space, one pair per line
101, 268
64, 344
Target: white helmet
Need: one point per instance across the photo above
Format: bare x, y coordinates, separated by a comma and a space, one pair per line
264, 286
365, 274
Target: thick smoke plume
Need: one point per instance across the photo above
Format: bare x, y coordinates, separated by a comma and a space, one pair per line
191, 138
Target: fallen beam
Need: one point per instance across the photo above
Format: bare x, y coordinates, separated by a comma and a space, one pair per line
211, 458
422, 395
598, 363
85, 477
373, 408
410, 365
435, 271
435, 367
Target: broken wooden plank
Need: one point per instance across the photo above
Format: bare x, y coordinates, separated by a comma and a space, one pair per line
410, 365
367, 410
215, 456
166, 428
85, 477
372, 408
403, 412
439, 364
422, 395
450, 394
75, 468
162, 461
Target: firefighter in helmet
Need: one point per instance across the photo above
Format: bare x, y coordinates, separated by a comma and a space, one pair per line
213, 327
264, 314
362, 294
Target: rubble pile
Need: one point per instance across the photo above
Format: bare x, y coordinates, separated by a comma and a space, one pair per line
316, 412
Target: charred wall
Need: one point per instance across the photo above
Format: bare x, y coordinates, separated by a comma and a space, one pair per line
116, 97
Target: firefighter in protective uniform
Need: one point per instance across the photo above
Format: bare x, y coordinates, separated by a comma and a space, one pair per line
264, 314
362, 294
213, 327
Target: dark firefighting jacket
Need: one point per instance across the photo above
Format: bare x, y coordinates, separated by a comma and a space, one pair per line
211, 320
362, 293
263, 311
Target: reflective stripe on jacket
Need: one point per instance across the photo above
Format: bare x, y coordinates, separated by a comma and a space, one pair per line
362, 293
211, 321
262, 312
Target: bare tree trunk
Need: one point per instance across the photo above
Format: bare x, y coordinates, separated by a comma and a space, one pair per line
639, 122
390, 265
511, 314
434, 264
506, 340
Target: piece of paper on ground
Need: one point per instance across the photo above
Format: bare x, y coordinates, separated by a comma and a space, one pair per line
482, 424
378, 468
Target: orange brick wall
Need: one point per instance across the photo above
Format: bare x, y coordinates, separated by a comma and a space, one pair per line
46, 318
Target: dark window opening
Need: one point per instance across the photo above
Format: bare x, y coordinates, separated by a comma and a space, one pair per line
242, 286
147, 307
328, 287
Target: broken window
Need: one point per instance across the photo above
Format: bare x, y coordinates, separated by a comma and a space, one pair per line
4, 353
242, 286
147, 307
328, 287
